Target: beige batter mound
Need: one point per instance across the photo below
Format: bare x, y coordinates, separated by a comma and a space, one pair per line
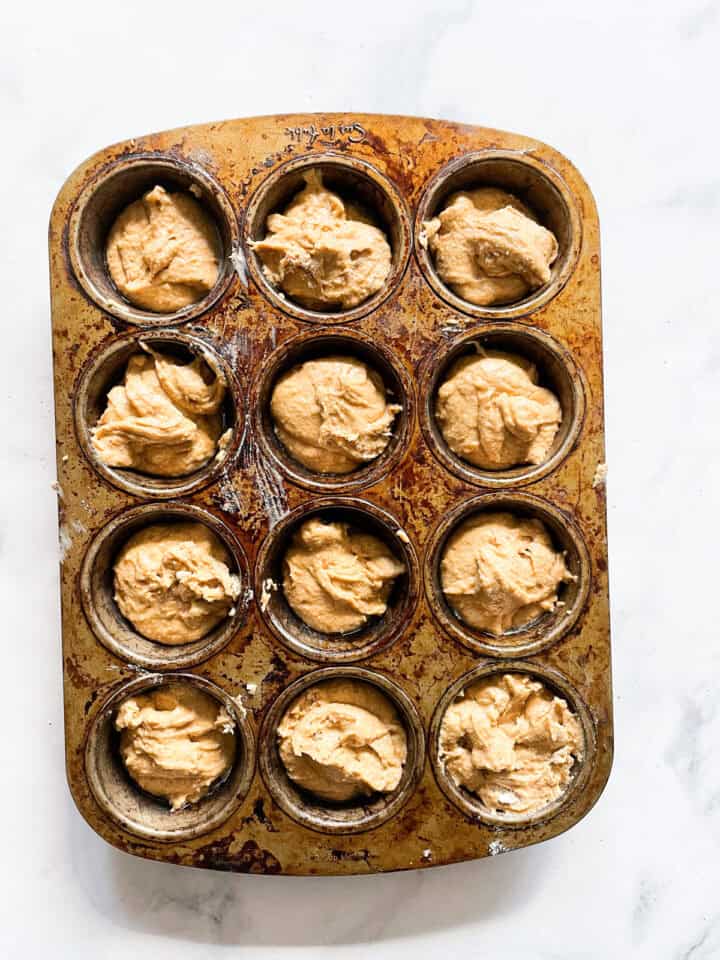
175, 742
163, 419
493, 414
499, 571
323, 253
163, 251
512, 742
173, 582
335, 578
332, 414
489, 248
343, 740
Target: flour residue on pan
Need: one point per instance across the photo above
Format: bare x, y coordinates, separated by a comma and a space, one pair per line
237, 259
271, 488
496, 847
227, 497
64, 541
65, 538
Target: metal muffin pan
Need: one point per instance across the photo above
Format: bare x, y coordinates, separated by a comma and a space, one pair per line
253, 496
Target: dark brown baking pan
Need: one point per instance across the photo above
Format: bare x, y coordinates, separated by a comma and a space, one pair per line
402, 169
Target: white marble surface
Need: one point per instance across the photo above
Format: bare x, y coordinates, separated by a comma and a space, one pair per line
628, 91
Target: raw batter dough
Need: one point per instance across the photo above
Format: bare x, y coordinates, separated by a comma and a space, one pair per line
343, 740
493, 414
173, 582
335, 577
322, 252
512, 742
499, 571
163, 251
164, 419
489, 248
175, 742
332, 414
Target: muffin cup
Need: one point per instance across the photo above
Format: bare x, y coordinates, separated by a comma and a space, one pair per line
142, 814
353, 179
538, 185
557, 371
320, 815
107, 622
113, 189
107, 368
468, 802
543, 631
293, 632
312, 346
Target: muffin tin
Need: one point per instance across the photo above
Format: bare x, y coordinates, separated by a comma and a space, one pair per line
253, 495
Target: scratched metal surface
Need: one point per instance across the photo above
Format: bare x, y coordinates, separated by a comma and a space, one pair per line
250, 497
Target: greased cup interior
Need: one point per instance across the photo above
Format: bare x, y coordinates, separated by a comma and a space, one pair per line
147, 816
468, 802
353, 180
118, 185
556, 370
538, 185
543, 631
111, 628
359, 644
107, 369
313, 346
355, 817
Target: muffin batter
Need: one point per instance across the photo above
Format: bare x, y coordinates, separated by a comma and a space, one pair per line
173, 582
493, 414
164, 419
499, 571
335, 578
175, 742
163, 251
343, 740
489, 248
322, 252
332, 414
512, 742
